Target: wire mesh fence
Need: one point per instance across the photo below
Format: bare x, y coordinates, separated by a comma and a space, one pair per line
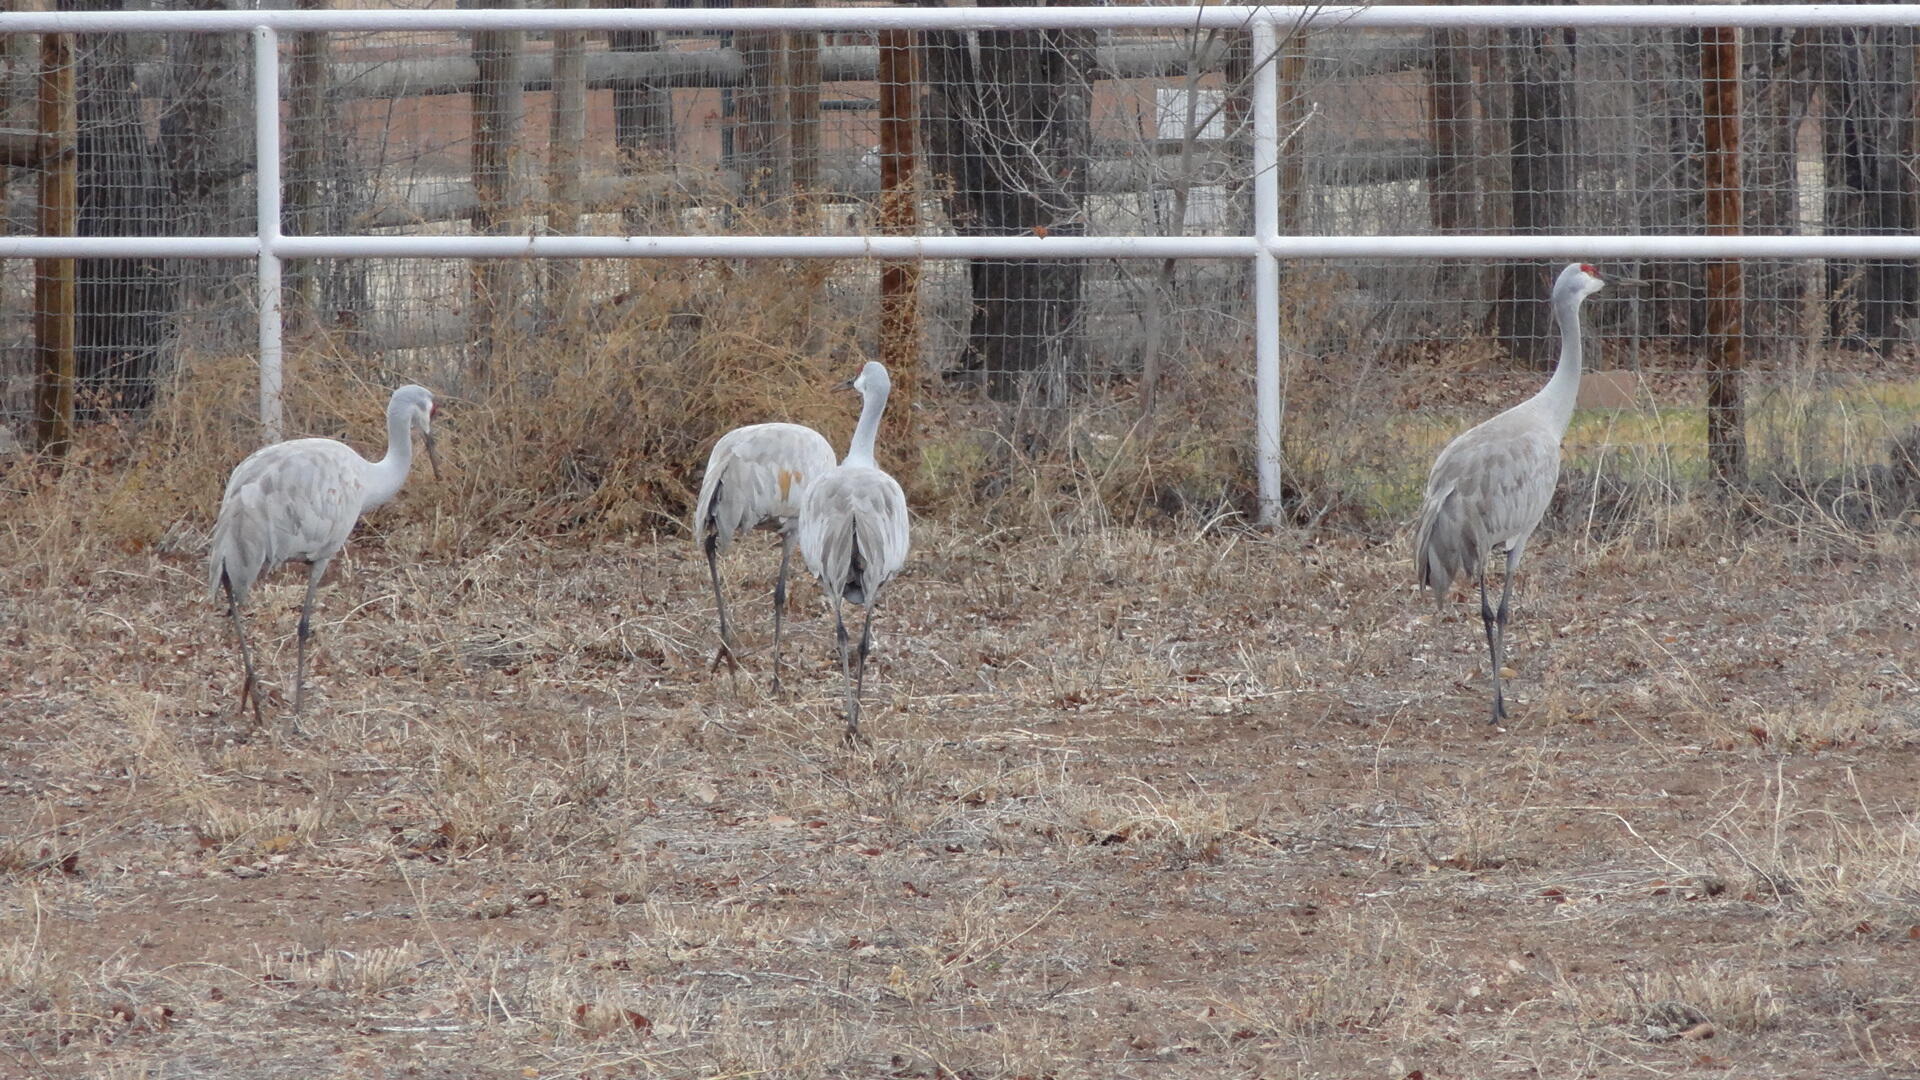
1047, 133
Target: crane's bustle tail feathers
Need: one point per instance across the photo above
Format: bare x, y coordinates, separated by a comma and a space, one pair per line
240, 546
855, 589
1443, 547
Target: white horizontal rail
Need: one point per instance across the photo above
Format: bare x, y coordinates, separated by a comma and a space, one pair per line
770, 247
1825, 246
978, 18
129, 247
1596, 247
632, 247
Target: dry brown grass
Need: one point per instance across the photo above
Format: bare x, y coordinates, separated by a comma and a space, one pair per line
1184, 801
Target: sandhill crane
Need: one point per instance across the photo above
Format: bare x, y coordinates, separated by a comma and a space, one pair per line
853, 531
1490, 487
755, 477
298, 500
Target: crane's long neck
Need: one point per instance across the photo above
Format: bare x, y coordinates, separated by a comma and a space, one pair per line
1563, 390
860, 450
384, 477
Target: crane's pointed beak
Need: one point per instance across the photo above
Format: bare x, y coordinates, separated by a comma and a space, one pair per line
433, 455
848, 385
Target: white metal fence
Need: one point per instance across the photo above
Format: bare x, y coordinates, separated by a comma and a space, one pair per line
1265, 245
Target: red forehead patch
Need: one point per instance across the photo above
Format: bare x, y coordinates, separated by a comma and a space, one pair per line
1588, 269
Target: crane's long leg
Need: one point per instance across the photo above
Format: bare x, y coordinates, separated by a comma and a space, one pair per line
725, 651
1488, 620
1500, 628
780, 600
846, 670
314, 572
860, 669
248, 688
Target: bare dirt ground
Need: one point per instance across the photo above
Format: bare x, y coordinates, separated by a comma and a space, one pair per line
1137, 805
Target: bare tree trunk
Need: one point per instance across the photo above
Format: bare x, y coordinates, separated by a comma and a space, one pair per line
803, 118
1452, 200
1669, 178
1774, 99
53, 279
566, 141
642, 122
1450, 194
1540, 137
123, 306
1010, 134
1726, 298
314, 186
1867, 86
499, 105
899, 215
762, 124
206, 141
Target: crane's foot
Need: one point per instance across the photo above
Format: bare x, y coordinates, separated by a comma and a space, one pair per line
249, 696
854, 739
724, 655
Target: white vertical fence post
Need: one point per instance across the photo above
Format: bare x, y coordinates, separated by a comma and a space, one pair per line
266, 148
1266, 266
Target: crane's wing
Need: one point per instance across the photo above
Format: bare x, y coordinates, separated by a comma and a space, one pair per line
291, 500
854, 531
756, 473
1488, 490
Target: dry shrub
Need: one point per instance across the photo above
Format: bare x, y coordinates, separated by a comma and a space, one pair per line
1088, 466
601, 426
598, 428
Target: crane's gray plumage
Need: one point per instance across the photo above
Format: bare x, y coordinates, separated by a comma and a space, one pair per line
1491, 486
853, 531
858, 540
300, 499
755, 478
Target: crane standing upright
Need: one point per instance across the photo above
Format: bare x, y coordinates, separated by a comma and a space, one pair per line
1490, 486
853, 531
300, 499
755, 478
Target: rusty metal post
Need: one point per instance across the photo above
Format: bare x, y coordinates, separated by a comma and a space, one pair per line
899, 215
1726, 308
53, 279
